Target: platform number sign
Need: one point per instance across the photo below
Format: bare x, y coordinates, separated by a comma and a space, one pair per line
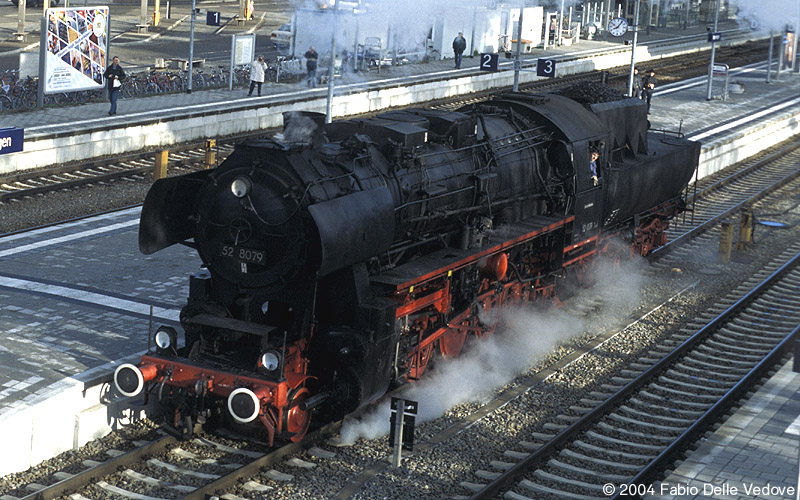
714, 37
546, 67
212, 18
489, 62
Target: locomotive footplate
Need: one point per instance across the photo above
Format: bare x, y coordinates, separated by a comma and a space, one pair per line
448, 259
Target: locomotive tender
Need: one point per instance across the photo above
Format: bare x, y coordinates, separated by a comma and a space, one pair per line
341, 259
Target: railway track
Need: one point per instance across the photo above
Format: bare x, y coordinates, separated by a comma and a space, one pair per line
139, 166
134, 167
718, 197
620, 438
167, 468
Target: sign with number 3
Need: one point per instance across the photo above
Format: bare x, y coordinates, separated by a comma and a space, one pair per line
546, 67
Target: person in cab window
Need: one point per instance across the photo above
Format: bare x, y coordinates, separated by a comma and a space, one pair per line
594, 155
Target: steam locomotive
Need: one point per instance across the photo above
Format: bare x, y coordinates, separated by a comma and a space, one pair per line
340, 259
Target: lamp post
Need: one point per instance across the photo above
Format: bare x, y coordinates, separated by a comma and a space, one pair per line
517, 63
633, 46
191, 46
331, 70
713, 50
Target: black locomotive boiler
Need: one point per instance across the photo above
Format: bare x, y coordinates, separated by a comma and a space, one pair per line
339, 260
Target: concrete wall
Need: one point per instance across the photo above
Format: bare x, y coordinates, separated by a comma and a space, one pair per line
43, 149
718, 154
69, 414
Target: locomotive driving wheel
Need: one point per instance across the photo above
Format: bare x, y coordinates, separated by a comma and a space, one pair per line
452, 342
419, 361
297, 419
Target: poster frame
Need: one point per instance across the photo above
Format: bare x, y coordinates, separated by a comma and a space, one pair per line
44, 67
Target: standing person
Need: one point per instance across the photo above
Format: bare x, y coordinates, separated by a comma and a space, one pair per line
648, 86
114, 76
257, 71
311, 66
459, 46
637, 84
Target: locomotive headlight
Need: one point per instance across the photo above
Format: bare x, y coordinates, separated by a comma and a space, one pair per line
240, 187
270, 360
166, 337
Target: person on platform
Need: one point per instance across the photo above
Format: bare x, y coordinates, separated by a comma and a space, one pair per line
649, 83
258, 69
459, 46
311, 66
114, 76
637, 84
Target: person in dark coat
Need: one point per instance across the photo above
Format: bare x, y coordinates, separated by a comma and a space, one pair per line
648, 87
459, 46
311, 66
637, 84
114, 76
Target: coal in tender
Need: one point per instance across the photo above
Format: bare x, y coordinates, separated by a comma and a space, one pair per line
588, 93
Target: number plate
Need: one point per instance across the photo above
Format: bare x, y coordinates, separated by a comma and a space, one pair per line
244, 254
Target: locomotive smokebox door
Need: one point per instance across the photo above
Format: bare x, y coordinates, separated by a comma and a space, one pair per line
353, 228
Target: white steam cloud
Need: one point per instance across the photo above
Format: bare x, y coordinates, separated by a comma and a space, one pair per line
768, 14
524, 336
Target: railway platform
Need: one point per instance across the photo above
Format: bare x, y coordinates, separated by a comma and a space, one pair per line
75, 298
59, 135
754, 454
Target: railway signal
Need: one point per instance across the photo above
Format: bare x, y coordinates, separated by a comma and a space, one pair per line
401, 430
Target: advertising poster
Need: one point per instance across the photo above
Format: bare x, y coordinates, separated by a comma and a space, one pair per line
75, 49
244, 48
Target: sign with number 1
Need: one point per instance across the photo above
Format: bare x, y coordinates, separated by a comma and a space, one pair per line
212, 18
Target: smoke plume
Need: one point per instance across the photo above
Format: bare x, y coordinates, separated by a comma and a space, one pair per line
524, 336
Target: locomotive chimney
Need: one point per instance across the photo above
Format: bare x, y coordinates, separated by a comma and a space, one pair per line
304, 126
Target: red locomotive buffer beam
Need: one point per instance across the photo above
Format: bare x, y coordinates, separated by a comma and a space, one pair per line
277, 405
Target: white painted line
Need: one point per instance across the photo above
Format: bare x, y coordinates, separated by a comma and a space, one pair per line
93, 298
746, 119
134, 211
69, 237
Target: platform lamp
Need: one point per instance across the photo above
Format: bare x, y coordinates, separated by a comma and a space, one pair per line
713, 50
331, 69
517, 63
633, 46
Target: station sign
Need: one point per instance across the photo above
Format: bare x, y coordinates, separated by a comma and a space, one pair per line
546, 67
714, 37
489, 62
212, 18
11, 140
